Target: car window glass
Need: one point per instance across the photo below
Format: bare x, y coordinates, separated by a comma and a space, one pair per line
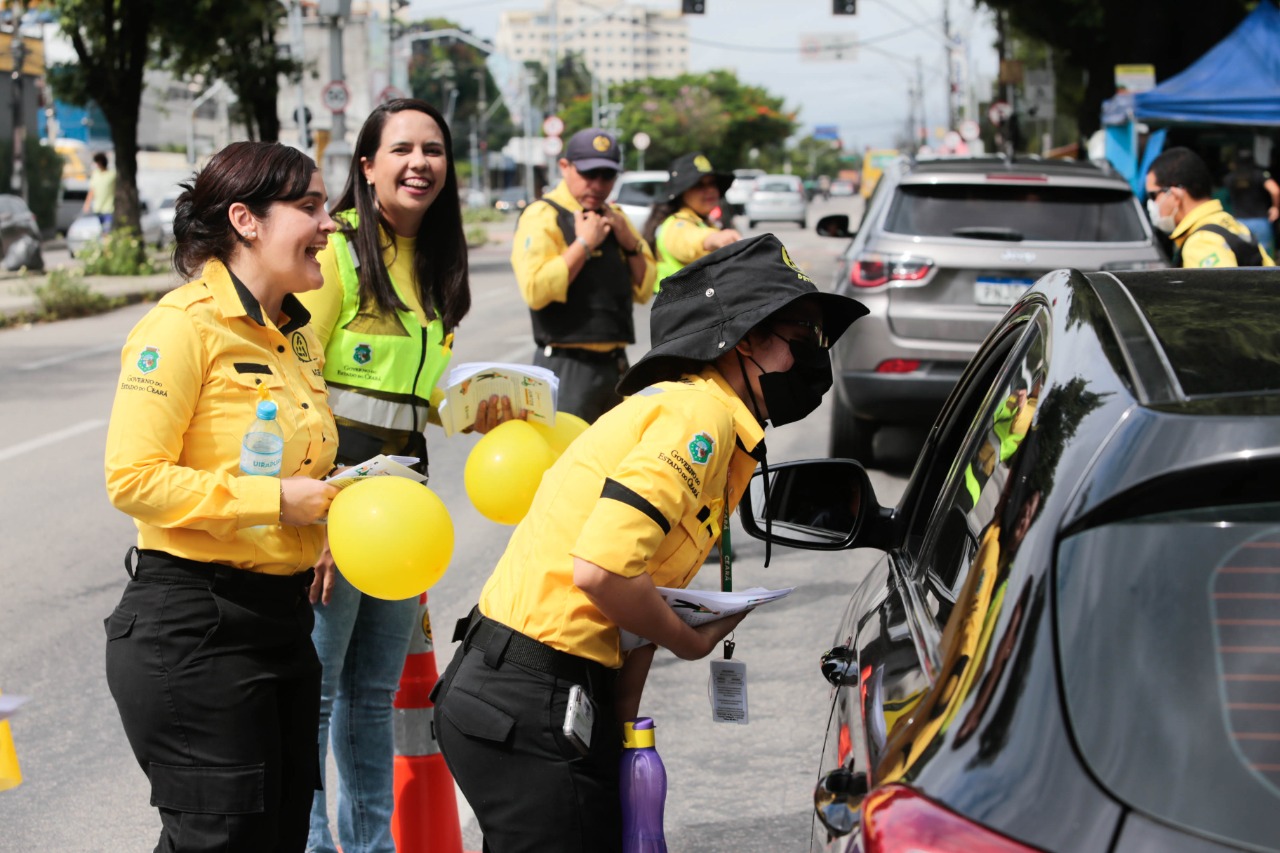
1168, 642
1034, 212
975, 490
638, 192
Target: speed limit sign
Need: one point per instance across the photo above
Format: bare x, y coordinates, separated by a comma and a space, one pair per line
336, 95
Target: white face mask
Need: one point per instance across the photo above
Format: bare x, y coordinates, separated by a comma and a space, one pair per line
1162, 223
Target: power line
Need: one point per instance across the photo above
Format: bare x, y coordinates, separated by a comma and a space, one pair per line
835, 46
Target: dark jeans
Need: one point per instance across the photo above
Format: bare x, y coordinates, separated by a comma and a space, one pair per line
587, 379
218, 688
499, 727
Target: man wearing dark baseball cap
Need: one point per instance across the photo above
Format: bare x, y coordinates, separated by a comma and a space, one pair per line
581, 266
635, 502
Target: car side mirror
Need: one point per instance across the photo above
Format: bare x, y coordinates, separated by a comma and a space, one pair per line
817, 505
834, 225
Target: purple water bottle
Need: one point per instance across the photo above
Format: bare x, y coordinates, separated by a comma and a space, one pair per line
643, 789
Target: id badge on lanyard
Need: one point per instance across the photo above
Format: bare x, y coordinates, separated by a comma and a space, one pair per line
727, 686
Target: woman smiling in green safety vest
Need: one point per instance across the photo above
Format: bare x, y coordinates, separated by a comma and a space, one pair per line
395, 287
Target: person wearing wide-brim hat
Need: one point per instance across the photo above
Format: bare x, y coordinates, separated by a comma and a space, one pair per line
679, 228
637, 501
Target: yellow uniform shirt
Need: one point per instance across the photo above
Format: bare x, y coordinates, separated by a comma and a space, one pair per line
188, 389
325, 305
642, 491
542, 274
684, 236
1204, 248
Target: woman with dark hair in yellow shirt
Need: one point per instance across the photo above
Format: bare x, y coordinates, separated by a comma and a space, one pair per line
209, 653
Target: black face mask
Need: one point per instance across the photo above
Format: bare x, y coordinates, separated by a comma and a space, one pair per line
792, 394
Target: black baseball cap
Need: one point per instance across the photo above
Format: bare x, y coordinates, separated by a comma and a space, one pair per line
706, 308
593, 148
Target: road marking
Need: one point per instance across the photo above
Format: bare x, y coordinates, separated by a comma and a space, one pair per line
50, 438
70, 356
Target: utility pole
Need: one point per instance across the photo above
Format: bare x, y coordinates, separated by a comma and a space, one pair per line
951, 65
337, 154
553, 68
18, 182
922, 135
483, 143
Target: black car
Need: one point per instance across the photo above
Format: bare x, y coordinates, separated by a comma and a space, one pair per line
1072, 640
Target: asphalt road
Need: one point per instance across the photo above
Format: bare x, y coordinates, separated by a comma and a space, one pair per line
731, 788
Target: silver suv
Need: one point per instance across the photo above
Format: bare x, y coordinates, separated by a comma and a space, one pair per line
945, 247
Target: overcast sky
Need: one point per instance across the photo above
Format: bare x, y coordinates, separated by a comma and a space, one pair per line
867, 98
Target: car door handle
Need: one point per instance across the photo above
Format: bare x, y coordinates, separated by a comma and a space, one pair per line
839, 667
838, 798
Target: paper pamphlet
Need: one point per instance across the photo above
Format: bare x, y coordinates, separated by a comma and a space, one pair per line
699, 606
530, 388
381, 465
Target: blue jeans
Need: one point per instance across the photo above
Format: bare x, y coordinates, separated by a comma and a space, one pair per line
362, 642
1261, 229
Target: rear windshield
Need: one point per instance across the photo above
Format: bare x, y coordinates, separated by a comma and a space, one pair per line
1169, 628
1014, 213
638, 192
1230, 350
763, 186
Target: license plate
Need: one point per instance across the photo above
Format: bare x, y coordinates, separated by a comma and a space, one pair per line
993, 290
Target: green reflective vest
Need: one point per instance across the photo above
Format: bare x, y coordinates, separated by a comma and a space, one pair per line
668, 265
380, 378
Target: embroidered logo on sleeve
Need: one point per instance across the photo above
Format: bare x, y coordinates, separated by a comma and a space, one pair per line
1210, 260
149, 360
701, 447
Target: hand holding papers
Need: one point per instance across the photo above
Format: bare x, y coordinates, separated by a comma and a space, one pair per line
699, 606
379, 466
530, 388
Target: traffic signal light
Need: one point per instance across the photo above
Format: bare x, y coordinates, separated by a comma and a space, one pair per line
844, 7
692, 7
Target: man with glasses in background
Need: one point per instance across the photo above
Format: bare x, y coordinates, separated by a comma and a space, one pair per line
1180, 203
581, 265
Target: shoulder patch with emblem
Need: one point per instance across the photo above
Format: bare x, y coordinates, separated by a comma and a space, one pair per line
149, 359
701, 446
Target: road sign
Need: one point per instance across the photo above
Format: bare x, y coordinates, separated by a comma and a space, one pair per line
1038, 97
552, 145
390, 94
828, 47
553, 126
969, 130
999, 112
336, 96
826, 131
641, 141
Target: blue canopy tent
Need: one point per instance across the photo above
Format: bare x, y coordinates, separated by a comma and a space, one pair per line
1236, 83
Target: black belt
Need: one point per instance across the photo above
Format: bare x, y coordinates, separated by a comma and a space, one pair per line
500, 643
580, 354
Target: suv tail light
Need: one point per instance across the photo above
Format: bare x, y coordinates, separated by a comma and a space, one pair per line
896, 819
872, 269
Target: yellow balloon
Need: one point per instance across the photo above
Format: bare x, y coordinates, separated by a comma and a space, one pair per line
567, 427
504, 470
390, 537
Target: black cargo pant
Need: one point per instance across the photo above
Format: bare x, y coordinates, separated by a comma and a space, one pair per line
499, 710
587, 379
218, 687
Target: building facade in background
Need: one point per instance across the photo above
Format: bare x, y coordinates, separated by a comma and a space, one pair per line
619, 41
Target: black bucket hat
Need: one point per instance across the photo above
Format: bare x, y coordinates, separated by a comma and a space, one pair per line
705, 309
685, 172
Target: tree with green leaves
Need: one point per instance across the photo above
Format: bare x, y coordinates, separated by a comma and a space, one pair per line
1097, 35
713, 113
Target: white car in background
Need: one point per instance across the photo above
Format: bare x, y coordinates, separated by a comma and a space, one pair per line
635, 192
777, 198
744, 181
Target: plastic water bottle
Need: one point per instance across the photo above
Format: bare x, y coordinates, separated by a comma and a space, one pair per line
263, 449
643, 789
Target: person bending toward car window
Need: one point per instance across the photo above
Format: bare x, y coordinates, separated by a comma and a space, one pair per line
396, 286
580, 264
209, 654
679, 228
637, 501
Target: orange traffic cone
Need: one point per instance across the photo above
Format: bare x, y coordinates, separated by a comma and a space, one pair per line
426, 811
10, 772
